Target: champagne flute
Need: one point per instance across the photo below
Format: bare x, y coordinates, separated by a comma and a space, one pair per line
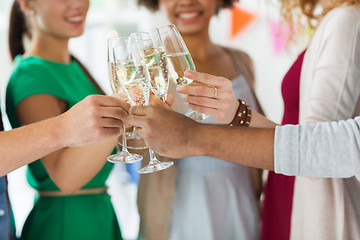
179, 60
124, 156
150, 50
133, 141
150, 43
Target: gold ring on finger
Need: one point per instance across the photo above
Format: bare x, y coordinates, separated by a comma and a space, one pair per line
216, 91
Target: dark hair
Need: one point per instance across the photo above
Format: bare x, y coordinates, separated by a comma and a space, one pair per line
87, 73
18, 28
153, 5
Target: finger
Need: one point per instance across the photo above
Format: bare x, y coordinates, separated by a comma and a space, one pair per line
202, 101
138, 110
197, 90
137, 121
113, 112
109, 132
110, 123
206, 110
206, 78
108, 101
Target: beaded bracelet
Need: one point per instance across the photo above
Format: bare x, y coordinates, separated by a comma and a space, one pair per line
242, 116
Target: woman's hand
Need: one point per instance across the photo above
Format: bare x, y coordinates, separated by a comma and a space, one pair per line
211, 95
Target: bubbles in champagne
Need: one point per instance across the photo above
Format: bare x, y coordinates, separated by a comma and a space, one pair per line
156, 65
178, 63
134, 83
114, 81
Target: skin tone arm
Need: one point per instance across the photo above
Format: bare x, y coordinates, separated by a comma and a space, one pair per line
189, 138
68, 161
91, 120
253, 147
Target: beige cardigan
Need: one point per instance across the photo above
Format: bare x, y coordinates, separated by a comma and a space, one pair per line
329, 90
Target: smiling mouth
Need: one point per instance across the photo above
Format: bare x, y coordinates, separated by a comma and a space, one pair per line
188, 15
77, 19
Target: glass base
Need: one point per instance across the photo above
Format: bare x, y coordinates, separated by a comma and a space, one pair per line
124, 157
155, 167
195, 115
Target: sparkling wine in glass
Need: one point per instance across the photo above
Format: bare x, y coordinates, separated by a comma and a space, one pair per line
149, 48
179, 60
115, 42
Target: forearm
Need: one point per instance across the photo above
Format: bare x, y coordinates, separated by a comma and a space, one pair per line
260, 121
246, 146
23, 145
72, 168
329, 149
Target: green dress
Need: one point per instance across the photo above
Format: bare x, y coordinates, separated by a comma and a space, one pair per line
90, 216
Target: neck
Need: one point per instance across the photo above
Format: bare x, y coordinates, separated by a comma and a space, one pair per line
200, 45
50, 48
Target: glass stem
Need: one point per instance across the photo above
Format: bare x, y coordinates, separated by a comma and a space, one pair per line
124, 144
153, 159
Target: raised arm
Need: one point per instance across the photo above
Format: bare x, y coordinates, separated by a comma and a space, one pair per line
330, 143
185, 137
91, 120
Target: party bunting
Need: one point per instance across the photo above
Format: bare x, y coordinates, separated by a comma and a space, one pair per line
280, 34
240, 19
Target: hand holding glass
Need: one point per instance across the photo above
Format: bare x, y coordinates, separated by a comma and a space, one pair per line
150, 53
118, 47
179, 60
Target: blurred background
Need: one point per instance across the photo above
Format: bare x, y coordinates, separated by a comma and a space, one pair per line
253, 26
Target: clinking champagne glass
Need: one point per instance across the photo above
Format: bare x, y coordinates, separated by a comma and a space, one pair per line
150, 51
132, 139
120, 44
179, 60
155, 61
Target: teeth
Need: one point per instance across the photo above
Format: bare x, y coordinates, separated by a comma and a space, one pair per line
75, 19
188, 15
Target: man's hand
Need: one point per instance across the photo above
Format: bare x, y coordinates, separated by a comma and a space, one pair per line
167, 132
93, 119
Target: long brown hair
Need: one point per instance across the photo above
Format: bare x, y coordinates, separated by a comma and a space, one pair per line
18, 28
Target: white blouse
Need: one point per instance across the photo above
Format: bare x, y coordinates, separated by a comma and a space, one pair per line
324, 208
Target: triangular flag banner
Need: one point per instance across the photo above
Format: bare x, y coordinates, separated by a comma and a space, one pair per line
240, 19
280, 33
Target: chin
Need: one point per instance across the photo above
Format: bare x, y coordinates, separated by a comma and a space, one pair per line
189, 30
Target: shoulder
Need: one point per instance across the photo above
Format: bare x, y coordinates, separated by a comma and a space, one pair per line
343, 17
28, 68
31, 76
240, 55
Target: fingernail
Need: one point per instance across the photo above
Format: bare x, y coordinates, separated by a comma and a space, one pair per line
184, 97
